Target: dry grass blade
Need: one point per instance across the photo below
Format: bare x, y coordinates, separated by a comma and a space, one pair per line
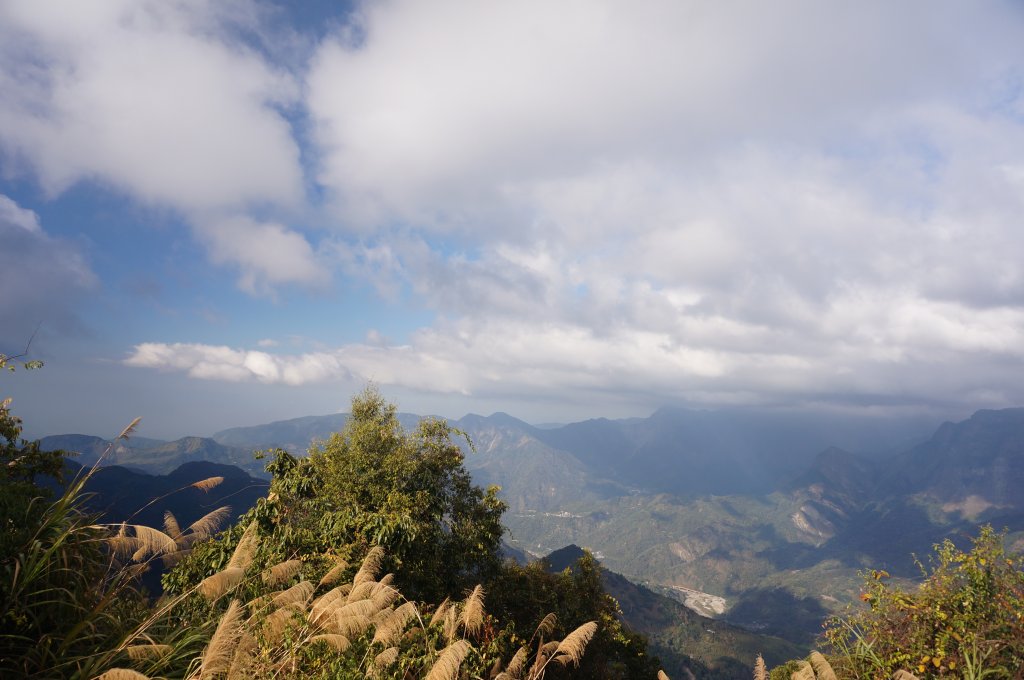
334, 573
438, 617
539, 661
338, 642
136, 570
280, 573
352, 625
386, 658
130, 430
220, 652
664, 676
362, 591
518, 663
473, 611
822, 668
150, 651
384, 595
804, 672
447, 665
152, 541
298, 594
205, 526
212, 587
207, 484
390, 628
242, 660
123, 547
547, 625
280, 620
760, 671
122, 674
171, 527
326, 606
246, 548
359, 607
370, 567
570, 650
451, 623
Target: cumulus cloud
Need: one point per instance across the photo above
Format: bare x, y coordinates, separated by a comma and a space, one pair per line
42, 279
727, 201
163, 102
268, 253
146, 96
445, 113
719, 202
868, 348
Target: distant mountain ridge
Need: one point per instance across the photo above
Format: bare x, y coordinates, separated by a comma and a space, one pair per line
765, 510
977, 462
674, 450
153, 456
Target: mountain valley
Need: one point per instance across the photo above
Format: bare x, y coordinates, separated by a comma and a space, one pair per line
772, 514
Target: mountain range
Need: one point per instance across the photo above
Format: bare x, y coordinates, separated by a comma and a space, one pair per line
762, 518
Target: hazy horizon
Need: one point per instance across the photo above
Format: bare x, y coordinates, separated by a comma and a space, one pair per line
215, 214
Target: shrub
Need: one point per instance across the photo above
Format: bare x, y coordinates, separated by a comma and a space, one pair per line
965, 620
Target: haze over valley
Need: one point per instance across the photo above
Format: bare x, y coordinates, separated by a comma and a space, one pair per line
728, 297
763, 519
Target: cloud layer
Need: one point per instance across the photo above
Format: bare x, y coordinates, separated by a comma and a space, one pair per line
728, 202
43, 279
163, 102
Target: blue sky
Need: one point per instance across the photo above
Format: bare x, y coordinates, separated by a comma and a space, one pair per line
223, 213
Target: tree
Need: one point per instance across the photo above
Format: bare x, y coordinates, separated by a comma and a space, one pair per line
411, 494
373, 484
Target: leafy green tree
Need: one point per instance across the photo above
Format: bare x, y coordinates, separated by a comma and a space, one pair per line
375, 485
22, 499
370, 485
523, 595
411, 494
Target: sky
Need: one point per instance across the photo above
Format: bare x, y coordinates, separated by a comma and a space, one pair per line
219, 213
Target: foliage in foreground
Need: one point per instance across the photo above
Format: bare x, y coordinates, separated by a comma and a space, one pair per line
966, 620
262, 599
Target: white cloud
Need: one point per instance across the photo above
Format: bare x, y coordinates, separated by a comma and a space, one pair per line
689, 200
13, 215
146, 96
866, 346
42, 279
442, 110
161, 101
711, 199
268, 253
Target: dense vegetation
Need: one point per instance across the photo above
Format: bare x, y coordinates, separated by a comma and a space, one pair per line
965, 620
373, 556
376, 556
